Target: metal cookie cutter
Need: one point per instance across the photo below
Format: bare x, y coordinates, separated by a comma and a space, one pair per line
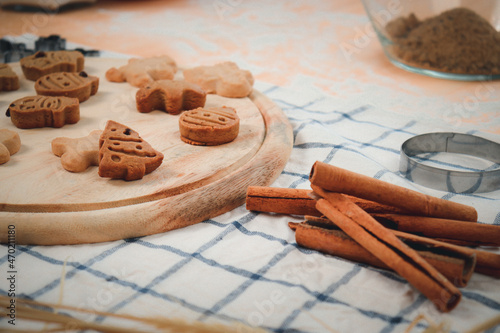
450, 180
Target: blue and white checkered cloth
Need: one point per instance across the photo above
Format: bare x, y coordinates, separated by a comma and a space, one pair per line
246, 267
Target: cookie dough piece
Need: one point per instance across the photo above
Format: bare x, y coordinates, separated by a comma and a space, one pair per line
45, 62
9, 80
79, 85
10, 143
224, 79
170, 96
77, 155
123, 154
44, 111
210, 126
141, 71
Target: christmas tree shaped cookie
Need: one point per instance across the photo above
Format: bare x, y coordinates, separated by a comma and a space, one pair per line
124, 154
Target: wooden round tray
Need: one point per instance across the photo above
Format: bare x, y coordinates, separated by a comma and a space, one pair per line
49, 205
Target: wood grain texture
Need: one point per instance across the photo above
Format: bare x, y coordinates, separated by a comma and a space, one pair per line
49, 205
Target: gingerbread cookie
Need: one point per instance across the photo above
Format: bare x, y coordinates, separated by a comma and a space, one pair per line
170, 96
79, 85
123, 154
10, 143
141, 71
210, 126
45, 62
8, 78
44, 111
224, 79
77, 155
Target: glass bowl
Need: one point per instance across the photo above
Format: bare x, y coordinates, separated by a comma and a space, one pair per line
448, 39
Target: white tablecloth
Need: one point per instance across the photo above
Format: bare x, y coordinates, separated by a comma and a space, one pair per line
245, 266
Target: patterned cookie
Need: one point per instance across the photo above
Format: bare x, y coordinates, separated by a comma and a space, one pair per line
44, 111
123, 154
10, 143
210, 126
224, 79
8, 78
170, 96
141, 71
43, 63
79, 85
78, 154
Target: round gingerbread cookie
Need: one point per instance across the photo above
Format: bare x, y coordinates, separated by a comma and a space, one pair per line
209, 126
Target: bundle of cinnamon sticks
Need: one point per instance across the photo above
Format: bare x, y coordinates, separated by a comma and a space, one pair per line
431, 242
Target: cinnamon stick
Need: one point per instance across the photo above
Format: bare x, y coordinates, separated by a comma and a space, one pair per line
472, 234
384, 245
340, 180
298, 202
455, 266
280, 200
487, 263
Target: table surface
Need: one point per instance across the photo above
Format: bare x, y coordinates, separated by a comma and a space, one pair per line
348, 105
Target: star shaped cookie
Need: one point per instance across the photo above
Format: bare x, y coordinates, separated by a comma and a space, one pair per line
224, 79
141, 71
170, 96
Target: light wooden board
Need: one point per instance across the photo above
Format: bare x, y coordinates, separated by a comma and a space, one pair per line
49, 205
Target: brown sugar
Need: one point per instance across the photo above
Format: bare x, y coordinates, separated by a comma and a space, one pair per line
456, 41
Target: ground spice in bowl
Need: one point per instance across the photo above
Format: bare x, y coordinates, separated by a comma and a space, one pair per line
457, 41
